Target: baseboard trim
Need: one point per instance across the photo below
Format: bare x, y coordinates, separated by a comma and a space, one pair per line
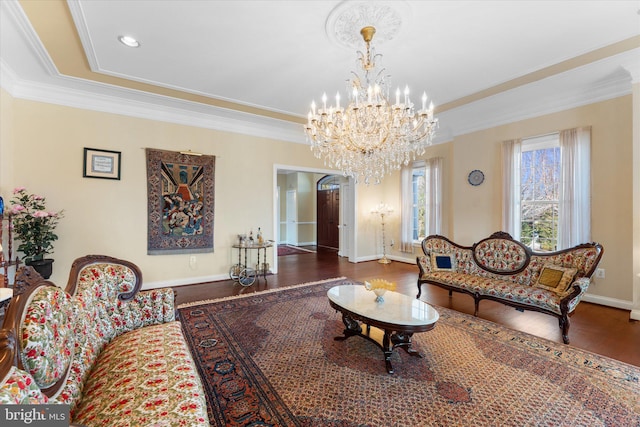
635, 315
368, 258
609, 302
184, 282
391, 257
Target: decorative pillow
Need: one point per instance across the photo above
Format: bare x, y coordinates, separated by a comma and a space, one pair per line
442, 262
555, 278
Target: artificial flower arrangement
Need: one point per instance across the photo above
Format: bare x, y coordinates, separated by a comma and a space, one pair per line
33, 225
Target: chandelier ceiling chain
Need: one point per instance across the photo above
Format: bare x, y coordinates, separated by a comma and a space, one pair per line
370, 137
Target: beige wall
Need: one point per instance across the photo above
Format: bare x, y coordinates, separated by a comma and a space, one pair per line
109, 217
389, 192
472, 213
477, 210
6, 150
635, 312
304, 183
307, 202
282, 199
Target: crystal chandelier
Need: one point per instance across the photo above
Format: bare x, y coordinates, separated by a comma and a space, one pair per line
370, 137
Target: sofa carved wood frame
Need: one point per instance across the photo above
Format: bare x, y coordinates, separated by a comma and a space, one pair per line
563, 317
27, 282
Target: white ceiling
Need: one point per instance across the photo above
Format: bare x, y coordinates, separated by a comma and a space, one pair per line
278, 56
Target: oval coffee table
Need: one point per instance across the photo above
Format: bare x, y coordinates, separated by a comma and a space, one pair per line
389, 324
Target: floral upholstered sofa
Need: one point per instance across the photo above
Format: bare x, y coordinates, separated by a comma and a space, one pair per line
502, 269
115, 355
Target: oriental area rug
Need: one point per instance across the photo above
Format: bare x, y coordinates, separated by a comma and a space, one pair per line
270, 359
284, 250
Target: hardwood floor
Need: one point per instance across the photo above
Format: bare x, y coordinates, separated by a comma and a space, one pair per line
599, 329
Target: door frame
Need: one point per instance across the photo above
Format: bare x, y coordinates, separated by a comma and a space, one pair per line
276, 219
348, 220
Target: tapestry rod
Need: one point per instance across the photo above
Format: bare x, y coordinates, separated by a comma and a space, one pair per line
187, 152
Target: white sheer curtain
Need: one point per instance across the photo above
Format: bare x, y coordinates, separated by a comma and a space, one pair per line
433, 176
433, 200
406, 233
575, 191
511, 159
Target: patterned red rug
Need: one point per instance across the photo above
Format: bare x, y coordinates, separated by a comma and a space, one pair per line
292, 250
269, 358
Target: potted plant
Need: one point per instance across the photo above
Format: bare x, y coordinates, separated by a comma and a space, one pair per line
34, 227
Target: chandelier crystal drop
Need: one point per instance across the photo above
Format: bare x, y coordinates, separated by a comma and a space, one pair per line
370, 137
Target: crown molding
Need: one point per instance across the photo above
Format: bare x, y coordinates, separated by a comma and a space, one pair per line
52, 87
89, 95
12, 11
77, 14
533, 100
564, 91
577, 87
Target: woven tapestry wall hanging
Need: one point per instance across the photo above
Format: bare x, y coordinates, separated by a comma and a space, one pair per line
180, 202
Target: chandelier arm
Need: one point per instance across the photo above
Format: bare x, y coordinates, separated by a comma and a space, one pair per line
370, 137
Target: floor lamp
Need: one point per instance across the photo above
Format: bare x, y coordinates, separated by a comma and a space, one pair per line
383, 210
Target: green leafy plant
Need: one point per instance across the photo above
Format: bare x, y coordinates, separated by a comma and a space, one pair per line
33, 225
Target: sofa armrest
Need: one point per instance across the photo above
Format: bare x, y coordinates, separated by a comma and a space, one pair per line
424, 264
574, 294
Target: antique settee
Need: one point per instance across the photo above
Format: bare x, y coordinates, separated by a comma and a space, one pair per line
114, 354
502, 269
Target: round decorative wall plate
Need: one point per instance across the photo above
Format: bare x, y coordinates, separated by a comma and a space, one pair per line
476, 177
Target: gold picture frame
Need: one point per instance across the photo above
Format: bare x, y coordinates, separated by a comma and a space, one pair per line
103, 164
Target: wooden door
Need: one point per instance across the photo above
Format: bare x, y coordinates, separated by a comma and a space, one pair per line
328, 218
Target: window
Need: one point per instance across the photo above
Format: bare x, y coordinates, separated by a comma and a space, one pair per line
418, 206
540, 192
329, 182
546, 189
421, 201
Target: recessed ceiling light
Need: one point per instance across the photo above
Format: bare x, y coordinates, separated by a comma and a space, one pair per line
129, 41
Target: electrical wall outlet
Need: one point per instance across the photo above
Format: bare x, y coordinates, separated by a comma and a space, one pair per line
193, 262
599, 273
392, 242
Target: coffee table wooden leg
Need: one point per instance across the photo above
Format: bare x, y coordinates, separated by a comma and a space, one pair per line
390, 340
387, 348
352, 327
403, 339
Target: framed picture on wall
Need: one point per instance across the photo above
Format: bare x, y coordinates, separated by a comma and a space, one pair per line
101, 164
